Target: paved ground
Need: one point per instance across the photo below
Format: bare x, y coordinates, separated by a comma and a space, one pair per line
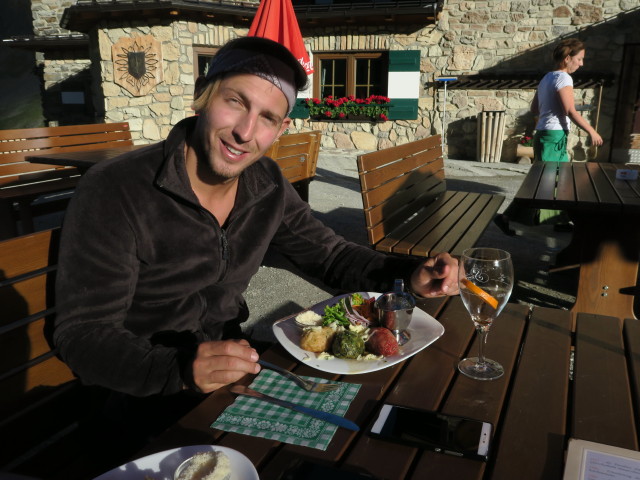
278, 289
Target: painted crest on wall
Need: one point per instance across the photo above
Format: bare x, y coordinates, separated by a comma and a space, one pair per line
137, 64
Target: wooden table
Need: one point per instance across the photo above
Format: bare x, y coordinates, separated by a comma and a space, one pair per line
606, 239
82, 159
535, 407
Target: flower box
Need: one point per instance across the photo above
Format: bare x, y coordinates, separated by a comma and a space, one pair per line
374, 108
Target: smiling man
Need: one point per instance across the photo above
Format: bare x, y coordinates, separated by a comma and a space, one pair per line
159, 244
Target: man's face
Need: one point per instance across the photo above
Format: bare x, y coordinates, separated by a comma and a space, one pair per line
245, 115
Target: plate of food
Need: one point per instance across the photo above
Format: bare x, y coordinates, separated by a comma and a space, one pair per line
329, 338
189, 462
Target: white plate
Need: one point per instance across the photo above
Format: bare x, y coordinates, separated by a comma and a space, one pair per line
424, 331
162, 465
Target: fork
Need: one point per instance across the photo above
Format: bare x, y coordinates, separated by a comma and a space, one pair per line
308, 385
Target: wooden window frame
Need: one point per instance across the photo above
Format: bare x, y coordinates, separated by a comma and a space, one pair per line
351, 58
201, 50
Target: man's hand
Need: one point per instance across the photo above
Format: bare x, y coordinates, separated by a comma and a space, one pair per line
223, 362
436, 276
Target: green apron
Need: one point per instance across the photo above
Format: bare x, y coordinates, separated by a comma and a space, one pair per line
551, 146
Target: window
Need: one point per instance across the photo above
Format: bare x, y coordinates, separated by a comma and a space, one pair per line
358, 74
201, 59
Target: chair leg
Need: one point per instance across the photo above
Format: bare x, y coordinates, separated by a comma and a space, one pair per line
7, 222
26, 216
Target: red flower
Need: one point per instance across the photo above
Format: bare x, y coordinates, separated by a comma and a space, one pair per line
342, 115
317, 101
383, 117
328, 114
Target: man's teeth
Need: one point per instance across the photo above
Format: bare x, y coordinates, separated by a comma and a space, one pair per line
234, 151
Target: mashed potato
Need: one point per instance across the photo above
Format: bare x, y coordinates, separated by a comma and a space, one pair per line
309, 318
207, 466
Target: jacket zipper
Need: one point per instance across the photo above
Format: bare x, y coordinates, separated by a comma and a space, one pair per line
224, 245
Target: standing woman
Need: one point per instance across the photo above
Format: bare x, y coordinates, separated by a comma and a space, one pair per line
554, 105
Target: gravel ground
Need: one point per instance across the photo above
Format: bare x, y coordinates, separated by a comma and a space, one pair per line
279, 289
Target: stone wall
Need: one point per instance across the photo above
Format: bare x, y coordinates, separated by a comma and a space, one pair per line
479, 36
492, 36
151, 116
47, 15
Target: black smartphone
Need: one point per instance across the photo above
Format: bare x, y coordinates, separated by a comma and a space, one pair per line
448, 434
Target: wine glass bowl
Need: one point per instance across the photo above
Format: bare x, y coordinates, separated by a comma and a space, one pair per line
485, 282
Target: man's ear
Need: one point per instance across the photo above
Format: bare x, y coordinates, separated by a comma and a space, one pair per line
286, 123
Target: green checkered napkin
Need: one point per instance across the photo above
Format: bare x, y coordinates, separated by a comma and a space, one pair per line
252, 416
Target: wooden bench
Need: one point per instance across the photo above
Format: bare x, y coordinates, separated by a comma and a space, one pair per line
407, 207
41, 402
297, 155
22, 182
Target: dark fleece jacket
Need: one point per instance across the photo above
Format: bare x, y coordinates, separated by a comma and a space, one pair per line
146, 273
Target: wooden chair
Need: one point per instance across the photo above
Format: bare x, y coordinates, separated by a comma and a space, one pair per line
297, 155
21, 181
407, 207
41, 401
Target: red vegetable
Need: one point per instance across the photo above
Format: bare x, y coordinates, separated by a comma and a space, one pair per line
381, 342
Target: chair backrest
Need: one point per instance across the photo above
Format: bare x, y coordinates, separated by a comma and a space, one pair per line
297, 155
18, 143
32, 378
398, 181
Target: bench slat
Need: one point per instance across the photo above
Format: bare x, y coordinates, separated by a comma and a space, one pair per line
457, 225
397, 184
9, 151
39, 132
603, 410
470, 225
374, 160
632, 341
372, 179
535, 420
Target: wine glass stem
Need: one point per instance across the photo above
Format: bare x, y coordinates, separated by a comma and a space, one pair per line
482, 338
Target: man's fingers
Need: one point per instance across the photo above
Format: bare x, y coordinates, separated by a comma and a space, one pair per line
232, 348
223, 362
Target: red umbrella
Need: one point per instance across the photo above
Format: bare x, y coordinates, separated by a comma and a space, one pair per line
276, 20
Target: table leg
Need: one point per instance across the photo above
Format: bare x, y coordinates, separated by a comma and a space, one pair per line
608, 266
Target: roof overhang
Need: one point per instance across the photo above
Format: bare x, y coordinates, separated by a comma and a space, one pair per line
44, 43
522, 81
83, 16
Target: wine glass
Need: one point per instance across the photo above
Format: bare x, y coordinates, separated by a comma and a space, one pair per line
486, 281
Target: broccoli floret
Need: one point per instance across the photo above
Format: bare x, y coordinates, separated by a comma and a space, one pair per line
348, 345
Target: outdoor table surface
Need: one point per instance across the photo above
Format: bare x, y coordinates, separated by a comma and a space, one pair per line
81, 159
535, 407
606, 238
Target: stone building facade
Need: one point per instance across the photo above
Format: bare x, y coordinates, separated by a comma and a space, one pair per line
500, 37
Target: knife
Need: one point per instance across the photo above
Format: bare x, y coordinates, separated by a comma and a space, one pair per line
326, 416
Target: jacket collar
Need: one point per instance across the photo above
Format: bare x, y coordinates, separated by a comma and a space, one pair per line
255, 180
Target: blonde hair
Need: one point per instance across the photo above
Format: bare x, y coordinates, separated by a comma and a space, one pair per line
203, 97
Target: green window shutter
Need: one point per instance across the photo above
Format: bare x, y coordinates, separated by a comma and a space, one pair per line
404, 84
300, 109
404, 60
403, 109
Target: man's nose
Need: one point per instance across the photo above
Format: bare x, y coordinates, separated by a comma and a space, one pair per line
245, 127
